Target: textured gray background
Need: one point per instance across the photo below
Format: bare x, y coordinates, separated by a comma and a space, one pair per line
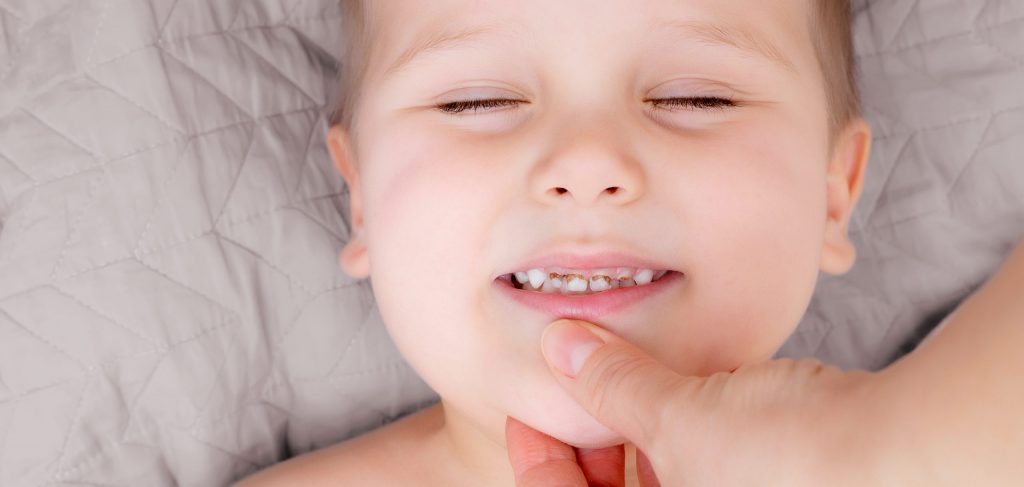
943, 203
171, 311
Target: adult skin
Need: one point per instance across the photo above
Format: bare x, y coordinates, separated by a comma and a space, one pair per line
946, 414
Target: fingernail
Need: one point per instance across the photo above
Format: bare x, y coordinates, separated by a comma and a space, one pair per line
567, 345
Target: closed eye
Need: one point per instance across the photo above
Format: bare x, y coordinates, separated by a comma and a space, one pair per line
705, 103
475, 105
700, 103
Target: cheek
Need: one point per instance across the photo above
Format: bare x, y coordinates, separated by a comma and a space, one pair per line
427, 210
753, 229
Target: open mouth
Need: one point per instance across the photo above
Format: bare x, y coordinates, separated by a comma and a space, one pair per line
586, 295
569, 282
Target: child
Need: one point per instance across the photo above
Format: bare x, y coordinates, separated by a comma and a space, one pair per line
677, 172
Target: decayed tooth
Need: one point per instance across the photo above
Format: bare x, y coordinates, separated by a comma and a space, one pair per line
600, 280
553, 284
575, 283
600, 283
643, 276
536, 277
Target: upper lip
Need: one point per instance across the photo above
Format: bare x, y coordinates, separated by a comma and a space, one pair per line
582, 258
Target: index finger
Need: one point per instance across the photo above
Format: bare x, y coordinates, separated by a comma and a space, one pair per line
538, 460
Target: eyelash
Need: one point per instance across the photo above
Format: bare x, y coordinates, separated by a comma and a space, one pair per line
706, 103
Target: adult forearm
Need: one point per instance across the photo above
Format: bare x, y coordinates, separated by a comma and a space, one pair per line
954, 407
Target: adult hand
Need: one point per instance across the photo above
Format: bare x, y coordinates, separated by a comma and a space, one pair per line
539, 460
782, 422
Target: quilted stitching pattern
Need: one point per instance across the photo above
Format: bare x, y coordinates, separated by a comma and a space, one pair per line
944, 198
169, 309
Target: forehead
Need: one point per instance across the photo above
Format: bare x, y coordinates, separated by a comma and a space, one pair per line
773, 32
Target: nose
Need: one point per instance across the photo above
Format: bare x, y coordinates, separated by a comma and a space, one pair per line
588, 168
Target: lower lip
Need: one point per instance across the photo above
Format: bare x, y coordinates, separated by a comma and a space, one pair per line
587, 307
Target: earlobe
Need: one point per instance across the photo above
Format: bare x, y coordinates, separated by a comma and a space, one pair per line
354, 258
844, 181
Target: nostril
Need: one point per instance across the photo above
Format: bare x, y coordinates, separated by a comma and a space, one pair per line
561, 190
612, 190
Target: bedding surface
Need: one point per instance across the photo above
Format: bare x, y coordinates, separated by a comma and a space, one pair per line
171, 309
943, 201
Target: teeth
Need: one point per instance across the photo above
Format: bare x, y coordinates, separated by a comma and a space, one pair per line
563, 281
536, 277
575, 283
554, 281
600, 283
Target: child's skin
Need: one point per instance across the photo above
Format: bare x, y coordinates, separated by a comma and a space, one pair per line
946, 414
749, 201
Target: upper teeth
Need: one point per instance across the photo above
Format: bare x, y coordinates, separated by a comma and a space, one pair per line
569, 281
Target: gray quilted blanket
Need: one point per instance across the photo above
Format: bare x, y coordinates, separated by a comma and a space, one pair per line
171, 311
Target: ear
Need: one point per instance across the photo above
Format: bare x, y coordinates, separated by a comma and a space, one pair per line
354, 258
845, 180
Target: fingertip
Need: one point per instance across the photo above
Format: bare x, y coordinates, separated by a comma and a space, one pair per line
603, 466
603, 333
645, 471
566, 345
530, 450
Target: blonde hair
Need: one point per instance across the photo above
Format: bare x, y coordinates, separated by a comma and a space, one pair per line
356, 22
832, 36
828, 23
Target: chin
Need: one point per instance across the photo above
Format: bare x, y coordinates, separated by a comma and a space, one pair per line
567, 421
586, 435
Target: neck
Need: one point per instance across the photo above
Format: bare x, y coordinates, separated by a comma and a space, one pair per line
479, 450
480, 454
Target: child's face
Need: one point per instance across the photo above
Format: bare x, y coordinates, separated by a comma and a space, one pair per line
746, 201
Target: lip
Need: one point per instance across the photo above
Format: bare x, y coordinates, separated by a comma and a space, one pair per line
578, 261
587, 307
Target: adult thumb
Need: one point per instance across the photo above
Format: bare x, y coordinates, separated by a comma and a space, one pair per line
617, 383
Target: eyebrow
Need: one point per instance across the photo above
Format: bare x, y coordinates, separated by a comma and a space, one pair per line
735, 37
450, 39
745, 40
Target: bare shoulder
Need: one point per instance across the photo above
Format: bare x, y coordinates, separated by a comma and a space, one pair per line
380, 457
347, 463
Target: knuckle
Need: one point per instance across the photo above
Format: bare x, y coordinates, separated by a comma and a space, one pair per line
619, 388
608, 379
